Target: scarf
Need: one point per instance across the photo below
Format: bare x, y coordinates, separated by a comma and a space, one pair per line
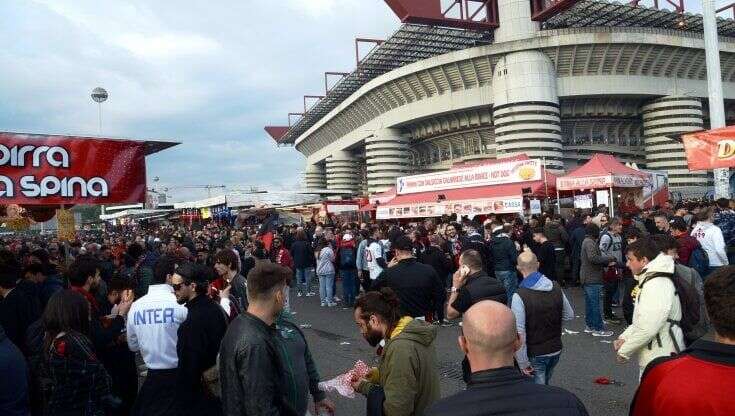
531, 280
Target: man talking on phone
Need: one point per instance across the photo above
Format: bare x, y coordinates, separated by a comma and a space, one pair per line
470, 284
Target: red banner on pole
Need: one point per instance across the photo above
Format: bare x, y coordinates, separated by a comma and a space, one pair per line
710, 149
50, 170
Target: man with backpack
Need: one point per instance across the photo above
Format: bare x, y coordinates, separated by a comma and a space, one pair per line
689, 252
656, 329
347, 258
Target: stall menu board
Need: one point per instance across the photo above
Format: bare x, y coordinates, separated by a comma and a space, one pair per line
507, 205
66, 170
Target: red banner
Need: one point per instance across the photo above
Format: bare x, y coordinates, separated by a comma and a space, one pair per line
710, 149
50, 170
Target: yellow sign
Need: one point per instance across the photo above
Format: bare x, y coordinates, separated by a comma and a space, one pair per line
67, 224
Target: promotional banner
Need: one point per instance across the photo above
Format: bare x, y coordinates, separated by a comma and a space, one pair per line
66, 224
606, 181
710, 149
65, 170
583, 201
479, 175
507, 205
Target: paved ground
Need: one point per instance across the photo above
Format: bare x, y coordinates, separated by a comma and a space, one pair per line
336, 344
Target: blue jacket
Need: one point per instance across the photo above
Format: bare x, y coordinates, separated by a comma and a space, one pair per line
725, 219
14, 380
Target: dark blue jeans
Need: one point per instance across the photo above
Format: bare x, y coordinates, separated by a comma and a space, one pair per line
593, 314
349, 286
543, 368
509, 279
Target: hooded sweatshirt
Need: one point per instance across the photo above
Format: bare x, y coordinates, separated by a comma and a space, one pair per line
407, 370
655, 302
712, 241
537, 282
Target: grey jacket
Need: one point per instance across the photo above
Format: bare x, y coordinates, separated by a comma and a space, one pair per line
592, 263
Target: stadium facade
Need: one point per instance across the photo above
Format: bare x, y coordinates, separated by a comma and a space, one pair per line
557, 80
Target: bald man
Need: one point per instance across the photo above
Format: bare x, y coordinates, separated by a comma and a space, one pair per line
489, 339
539, 306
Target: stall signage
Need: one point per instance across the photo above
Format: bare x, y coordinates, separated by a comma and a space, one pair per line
606, 181
710, 149
583, 201
506, 205
52, 170
479, 175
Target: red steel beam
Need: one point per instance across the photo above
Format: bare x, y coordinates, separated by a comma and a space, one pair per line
276, 132
678, 4
542, 10
429, 12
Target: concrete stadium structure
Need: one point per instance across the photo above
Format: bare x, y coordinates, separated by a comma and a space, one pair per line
594, 77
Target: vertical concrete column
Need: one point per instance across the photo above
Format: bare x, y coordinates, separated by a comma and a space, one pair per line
668, 116
387, 157
315, 177
343, 172
515, 21
526, 108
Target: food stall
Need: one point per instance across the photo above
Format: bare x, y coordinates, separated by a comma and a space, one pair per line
490, 187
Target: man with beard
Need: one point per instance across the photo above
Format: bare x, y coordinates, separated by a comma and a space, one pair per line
407, 370
153, 324
199, 338
251, 370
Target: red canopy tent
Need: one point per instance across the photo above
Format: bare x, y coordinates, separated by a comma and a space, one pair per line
602, 172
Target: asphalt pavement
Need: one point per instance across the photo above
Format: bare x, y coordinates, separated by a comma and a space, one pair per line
336, 344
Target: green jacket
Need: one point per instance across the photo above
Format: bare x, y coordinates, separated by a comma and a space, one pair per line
408, 370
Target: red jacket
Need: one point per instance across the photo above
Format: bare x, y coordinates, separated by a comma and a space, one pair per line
687, 244
283, 257
700, 381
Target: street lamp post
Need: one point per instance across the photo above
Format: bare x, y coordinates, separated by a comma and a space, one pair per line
714, 88
99, 95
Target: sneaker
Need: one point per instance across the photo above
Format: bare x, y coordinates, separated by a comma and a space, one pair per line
310, 294
603, 333
331, 305
613, 320
587, 330
336, 299
299, 294
323, 304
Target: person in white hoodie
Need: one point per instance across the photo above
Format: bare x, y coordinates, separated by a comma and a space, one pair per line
711, 239
652, 334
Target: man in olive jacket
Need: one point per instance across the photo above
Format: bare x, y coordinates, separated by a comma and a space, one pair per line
407, 370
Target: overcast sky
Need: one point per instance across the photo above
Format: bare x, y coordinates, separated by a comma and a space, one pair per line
209, 74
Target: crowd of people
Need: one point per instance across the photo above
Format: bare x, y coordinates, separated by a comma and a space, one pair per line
184, 320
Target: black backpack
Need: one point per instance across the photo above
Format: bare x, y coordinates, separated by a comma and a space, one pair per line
699, 261
690, 307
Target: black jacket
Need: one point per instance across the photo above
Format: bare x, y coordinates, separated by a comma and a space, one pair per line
303, 254
479, 287
17, 313
417, 285
199, 337
546, 255
251, 372
505, 391
439, 260
504, 253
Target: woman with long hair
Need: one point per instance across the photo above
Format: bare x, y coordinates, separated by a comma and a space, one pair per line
80, 383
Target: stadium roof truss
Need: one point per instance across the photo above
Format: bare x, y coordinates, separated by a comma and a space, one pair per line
410, 43
414, 42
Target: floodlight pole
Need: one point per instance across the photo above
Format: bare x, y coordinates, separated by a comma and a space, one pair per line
714, 88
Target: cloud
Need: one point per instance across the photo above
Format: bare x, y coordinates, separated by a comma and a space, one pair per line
207, 74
